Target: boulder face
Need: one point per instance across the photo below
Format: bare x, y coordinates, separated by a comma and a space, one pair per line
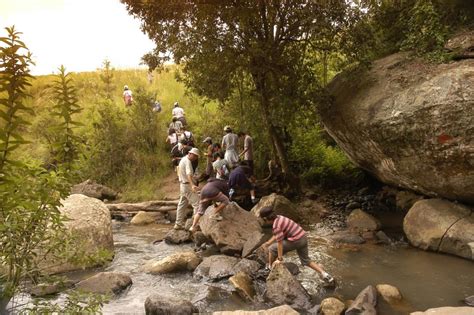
440, 225
280, 204
182, 261
233, 231
157, 304
105, 283
91, 189
90, 227
409, 123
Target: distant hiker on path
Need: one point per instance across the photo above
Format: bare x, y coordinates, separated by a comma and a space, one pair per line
214, 191
288, 236
220, 166
187, 189
239, 180
127, 96
178, 112
172, 138
229, 144
176, 125
247, 153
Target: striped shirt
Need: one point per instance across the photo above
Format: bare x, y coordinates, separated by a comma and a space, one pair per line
285, 228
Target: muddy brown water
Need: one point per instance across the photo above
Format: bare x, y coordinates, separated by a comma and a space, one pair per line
425, 279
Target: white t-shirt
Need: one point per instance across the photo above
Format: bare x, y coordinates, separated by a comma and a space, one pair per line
230, 141
127, 96
178, 112
185, 169
173, 138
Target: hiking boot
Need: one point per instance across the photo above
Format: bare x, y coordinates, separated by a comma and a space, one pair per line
255, 200
216, 217
192, 229
178, 227
328, 278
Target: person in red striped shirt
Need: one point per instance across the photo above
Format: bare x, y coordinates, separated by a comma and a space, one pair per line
288, 236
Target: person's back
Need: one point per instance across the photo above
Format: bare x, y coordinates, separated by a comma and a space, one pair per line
285, 228
230, 141
127, 96
178, 112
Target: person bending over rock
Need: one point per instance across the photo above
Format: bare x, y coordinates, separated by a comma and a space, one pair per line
214, 191
239, 179
288, 236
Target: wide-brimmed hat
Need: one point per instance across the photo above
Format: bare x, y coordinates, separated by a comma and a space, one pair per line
208, 139
194, 151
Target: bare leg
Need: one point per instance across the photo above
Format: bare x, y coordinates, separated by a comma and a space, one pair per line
252, 194
196, 219
316, 267
270, 258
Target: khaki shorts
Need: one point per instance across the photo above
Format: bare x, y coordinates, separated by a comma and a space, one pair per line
301, 247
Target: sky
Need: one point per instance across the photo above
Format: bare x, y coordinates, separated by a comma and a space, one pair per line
79, 34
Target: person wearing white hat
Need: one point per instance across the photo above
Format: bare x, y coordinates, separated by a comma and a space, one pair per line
229, 144
127, 96
187, 189
178, 112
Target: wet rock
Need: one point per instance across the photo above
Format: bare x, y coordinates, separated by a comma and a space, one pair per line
243, 285
331, 306
216, 267
364, 303
90, 228
368, 235
469, 300
307, 203
259, 255
157, 304
280, 204
283, 288
209, 294
178, 237
248, 266
44, 289
292, 268
144, 218
389, 293
105, 283
353, 205
462, 45
398, 123
231, 233
363, 191
362, 221
91, 189
280, 310
447, 310
347, 237
253, 243
406, 199
181, 261
171, 215
441, 225
199, 238
383, 238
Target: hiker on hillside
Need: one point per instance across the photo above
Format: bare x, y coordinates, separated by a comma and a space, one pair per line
229, 144
209, 158
178, 112
176, 125
187, 188
247, 153
288, 236
127, 96
214, 191
187, 136
220, 166
239, 180
172, 137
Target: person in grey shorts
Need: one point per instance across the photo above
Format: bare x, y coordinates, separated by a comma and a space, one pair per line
289, 236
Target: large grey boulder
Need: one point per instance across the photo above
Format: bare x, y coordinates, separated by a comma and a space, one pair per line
157, 304
216, 267
280, 204
230, 234
283, 288
91, 189
364, 303
105, 283
408, 122
440, 225
362, 221
89, 228
181, 261
243, 284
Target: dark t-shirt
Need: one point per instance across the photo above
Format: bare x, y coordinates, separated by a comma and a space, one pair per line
238, 178
213, 188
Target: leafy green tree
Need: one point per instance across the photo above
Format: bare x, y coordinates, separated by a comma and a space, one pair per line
66, 149
29, 195
267, 42
107, 77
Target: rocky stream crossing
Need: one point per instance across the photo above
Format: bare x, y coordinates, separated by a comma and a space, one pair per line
157, 270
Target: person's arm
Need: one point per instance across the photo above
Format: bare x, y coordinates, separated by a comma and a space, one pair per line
189, 175
269, 242
280, 251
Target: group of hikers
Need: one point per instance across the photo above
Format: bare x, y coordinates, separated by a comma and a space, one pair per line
228, 173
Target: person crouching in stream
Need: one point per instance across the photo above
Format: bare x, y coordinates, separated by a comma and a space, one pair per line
188, 190
215, 190
288, 236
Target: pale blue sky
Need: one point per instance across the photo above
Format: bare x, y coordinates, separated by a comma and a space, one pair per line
79, 34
